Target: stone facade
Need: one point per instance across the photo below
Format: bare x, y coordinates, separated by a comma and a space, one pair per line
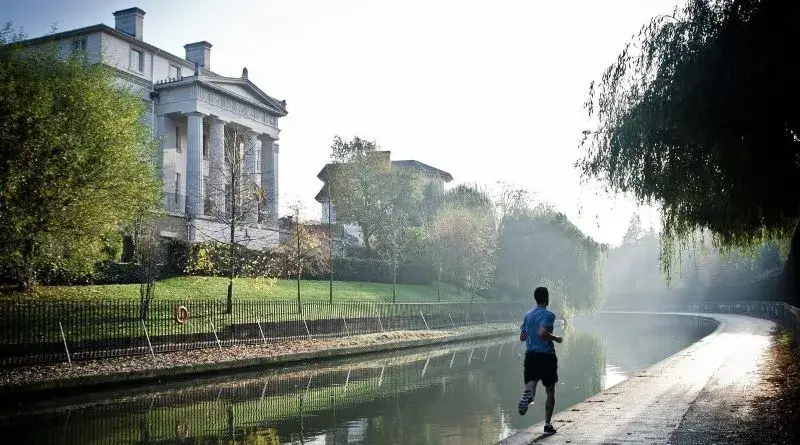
197, 115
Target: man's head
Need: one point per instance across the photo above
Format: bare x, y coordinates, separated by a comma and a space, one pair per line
542, 296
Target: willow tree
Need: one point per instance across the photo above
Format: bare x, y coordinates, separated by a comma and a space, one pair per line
699, 115
75, 160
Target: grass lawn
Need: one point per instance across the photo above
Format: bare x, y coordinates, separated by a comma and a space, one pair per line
188, 288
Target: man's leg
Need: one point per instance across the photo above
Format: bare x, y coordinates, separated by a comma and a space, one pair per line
550, 403
527, 396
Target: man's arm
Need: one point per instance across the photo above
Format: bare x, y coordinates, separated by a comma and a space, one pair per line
545, 334
523, 335
545, 331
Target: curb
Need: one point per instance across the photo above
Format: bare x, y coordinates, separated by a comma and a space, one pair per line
92, 382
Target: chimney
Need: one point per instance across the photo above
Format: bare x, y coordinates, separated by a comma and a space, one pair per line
199, 53
130, 21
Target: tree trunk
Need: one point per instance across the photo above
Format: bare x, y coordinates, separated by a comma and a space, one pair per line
231, 248
394, 281
299, 307
367, 245
27, 273
791, 270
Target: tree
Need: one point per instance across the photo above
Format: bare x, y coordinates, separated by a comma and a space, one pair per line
463, 240
540, 246
367, 191
695, 113
303, 252
234, 195
76, 160
634, 232
148, 254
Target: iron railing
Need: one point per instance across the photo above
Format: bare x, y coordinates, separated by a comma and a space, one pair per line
35, 331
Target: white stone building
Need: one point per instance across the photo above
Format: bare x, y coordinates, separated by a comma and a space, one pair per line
191, 109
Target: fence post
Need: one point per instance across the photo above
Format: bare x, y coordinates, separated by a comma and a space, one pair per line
425, 368
64, 337
424, 321
451, 320
147, 336
452, 359
380, 323
307, 331
262, 333
380, 379
347, 331
484, 316
214, 330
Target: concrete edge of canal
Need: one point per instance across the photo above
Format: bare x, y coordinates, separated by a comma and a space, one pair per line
649, 407
133, 377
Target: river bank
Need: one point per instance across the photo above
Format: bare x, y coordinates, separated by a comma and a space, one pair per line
714, 391
29, 380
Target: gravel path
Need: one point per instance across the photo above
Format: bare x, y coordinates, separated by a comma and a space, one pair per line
13, 377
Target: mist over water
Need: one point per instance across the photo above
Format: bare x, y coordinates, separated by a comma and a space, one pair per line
463, 393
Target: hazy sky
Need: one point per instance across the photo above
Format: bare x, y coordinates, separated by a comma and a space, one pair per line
487, 90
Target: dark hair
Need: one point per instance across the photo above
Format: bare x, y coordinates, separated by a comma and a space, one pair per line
541, 295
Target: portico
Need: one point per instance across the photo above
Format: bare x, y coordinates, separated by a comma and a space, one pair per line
217, 132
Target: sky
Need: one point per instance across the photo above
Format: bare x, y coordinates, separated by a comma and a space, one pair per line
486, 90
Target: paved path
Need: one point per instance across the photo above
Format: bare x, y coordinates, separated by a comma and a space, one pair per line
674, 401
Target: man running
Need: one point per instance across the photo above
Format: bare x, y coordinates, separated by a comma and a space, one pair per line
540, 356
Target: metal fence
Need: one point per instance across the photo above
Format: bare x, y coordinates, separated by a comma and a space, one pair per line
34, 332
785, 314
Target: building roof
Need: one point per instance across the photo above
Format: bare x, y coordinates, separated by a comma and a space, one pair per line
424, 168
279, 105
420, 167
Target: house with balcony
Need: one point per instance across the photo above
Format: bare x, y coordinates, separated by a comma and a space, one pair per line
434, 178
193, 112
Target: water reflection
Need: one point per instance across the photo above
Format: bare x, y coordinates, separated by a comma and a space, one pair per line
459, 394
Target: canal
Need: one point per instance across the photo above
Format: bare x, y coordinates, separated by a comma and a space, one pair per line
457, 394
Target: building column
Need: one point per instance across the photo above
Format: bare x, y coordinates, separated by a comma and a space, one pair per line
194, 166
252, 174
216, 167
269, 178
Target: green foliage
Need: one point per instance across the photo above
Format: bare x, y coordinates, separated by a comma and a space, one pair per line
542, 247
695, 113
213, 259
367, 191
74, 161
462, 239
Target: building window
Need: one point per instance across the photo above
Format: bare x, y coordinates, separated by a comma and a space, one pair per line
79, 46
137, 60
174, 72
178, 139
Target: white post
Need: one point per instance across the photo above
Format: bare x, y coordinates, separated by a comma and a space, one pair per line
379, 321
427, 328
347, 331
264, 389
262, 333
452, 359
380, 379
451, 321
64, 338
484, 316
346, 381
214, 330
307, 331
147, 336
425, 368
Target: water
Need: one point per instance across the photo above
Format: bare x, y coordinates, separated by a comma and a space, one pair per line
458, 394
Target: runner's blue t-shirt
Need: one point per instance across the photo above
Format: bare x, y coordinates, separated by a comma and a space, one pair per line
533, 320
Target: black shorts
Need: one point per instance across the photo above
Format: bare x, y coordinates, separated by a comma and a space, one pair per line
541, 366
